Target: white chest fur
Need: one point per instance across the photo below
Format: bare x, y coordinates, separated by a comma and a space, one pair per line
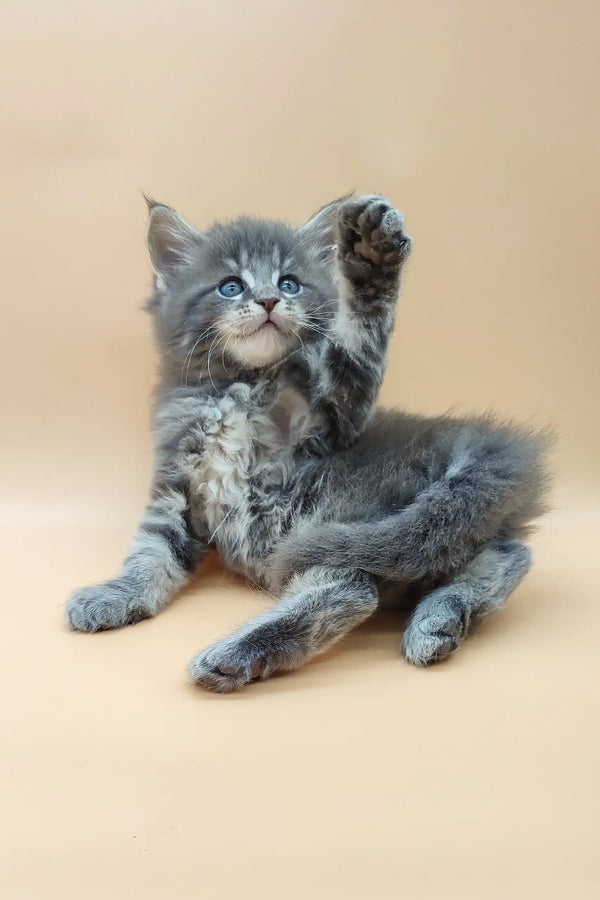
241, 444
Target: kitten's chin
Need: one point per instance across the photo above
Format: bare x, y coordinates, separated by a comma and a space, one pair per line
265, 346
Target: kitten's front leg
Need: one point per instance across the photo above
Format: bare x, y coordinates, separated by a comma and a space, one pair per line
165, 552
168, 545
372, 248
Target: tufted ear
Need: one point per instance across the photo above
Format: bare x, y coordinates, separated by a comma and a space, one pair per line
322, 227
172, 243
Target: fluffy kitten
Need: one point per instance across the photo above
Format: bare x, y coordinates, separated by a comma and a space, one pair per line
269, 448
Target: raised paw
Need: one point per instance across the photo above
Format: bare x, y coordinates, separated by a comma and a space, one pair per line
436, 629
253, 653
371, 233
105, 606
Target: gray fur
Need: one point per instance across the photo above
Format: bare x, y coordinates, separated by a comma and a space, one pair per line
269, 449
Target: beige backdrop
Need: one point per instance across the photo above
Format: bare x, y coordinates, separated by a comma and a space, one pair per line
358, 776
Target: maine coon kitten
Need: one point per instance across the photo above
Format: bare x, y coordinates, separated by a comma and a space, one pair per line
269, 448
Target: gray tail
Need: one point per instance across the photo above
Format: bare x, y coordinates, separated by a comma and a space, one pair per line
492, 488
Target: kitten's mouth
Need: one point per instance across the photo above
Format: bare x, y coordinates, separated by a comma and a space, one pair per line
269, 325
264, 344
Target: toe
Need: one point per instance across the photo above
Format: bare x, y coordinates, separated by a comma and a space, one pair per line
392, 222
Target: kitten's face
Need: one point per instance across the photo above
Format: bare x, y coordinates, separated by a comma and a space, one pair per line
241, 295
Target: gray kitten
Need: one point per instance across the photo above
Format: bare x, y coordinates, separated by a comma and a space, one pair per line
269, 448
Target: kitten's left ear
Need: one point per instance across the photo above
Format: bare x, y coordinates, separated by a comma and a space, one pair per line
172, 243
322, 227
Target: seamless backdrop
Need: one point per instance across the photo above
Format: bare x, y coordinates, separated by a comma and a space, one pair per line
357, 776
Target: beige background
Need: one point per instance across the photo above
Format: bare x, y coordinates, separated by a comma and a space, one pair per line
357, 776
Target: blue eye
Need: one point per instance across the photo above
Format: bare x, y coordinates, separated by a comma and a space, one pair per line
288, 285
233, 287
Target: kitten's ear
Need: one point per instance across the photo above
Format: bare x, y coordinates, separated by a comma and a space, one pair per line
322, 227
172, 243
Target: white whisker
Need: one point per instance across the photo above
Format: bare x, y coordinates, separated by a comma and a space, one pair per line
229, 337
188, 358
212, 346
317, 330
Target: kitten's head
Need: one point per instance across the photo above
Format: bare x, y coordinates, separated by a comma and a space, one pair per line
241, 294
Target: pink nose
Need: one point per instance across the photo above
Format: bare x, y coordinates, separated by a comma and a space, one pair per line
268, 304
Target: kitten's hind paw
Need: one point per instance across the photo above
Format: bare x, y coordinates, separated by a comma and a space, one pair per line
256, 652
436, 629
226, 666
102, 607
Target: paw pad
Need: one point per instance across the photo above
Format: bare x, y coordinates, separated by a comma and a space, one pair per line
371, 231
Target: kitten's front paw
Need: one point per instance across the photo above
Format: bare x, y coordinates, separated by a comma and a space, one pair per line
436, 629
105, 606
371, 234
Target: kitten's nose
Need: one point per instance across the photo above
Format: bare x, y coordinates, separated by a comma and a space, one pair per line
268, 304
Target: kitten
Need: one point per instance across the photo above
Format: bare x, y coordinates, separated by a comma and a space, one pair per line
269, 448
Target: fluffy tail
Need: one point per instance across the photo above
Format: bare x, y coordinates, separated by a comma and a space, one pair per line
494, 485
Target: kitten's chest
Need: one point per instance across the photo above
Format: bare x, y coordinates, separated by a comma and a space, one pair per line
246, 459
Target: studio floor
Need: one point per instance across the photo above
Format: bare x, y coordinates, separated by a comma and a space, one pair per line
357, 776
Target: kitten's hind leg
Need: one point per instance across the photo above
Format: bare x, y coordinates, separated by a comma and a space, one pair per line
319, 607
441, 621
